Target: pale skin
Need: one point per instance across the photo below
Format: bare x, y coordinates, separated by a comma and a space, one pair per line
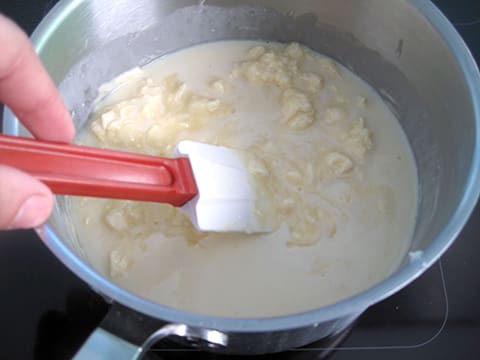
28, 91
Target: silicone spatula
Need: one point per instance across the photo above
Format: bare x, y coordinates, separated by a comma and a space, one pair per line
209, 183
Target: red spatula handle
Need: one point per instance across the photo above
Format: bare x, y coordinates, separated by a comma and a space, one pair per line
88, 171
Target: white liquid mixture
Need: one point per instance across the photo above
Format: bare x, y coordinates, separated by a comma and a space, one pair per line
334, 156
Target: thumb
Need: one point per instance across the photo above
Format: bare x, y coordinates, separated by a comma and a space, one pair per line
24, 201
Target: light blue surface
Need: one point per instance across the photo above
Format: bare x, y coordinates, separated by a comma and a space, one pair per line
102, 345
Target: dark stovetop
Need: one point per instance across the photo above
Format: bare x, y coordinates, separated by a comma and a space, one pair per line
47, 312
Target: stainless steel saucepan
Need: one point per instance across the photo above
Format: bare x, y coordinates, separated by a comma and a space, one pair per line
406, 49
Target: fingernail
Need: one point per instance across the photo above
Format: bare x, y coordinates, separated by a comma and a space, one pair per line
33, 212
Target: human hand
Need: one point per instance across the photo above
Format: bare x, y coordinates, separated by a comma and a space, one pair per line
28, 91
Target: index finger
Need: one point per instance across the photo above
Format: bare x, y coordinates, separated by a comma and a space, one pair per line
27, 90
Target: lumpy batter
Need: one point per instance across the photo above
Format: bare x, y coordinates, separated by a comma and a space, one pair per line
327, 147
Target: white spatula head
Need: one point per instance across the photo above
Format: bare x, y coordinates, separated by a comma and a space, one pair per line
229, 197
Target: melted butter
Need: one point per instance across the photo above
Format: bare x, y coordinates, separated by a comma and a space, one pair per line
333, 156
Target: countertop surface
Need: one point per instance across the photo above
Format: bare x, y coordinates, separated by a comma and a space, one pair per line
47, 312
